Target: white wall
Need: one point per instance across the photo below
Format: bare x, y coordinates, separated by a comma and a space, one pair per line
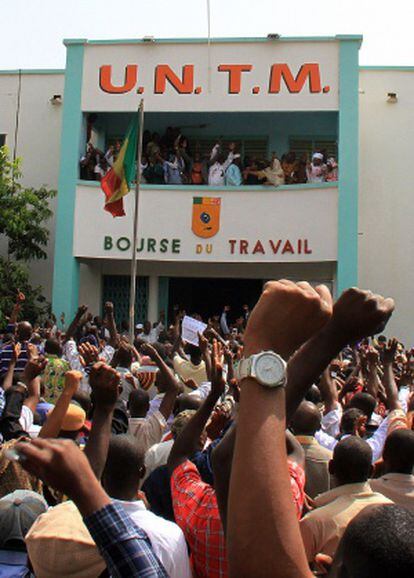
305, 218
38, 144
386, 240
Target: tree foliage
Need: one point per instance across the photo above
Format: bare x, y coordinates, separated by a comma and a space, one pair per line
24, 213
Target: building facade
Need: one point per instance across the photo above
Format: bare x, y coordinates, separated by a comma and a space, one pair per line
268, 96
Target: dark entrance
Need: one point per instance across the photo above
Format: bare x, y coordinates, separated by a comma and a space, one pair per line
208, 296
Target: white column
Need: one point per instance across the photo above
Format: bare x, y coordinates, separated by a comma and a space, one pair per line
153, 298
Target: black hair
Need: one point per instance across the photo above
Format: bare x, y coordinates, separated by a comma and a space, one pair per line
53, 347
138, 403
313, 394
306, 420
399, 451
124, 467
365, 402
352, 461
24, 331
379, 542
186, 401
124, 355
349, 420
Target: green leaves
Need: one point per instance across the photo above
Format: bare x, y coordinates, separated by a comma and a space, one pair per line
24, 212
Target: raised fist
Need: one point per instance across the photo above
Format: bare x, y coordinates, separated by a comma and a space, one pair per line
358, 314
104, 381
72, 381
286, 315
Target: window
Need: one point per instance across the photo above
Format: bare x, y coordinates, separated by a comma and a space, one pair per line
309, 145
2, 140
247, 147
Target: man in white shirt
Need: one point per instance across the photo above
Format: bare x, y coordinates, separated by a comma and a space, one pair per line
219, 163
397, 483
149, 334
376, 441
158, 454
122, 476
148, 427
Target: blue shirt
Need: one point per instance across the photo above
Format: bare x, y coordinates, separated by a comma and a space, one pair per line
233, 176
6, 354
125, 548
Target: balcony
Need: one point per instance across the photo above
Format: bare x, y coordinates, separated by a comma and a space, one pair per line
288, 224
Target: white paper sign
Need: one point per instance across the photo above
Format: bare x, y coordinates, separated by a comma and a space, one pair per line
191, 328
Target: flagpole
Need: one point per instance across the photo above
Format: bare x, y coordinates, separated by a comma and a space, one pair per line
135, 226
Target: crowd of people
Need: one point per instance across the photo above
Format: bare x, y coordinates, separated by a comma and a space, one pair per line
169, 159
157, 457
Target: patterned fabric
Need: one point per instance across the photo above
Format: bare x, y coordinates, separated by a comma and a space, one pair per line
197, 514
6, 354
13, 476
297, 485
125, 547
54, 376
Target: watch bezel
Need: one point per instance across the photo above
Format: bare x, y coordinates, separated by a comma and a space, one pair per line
256, 359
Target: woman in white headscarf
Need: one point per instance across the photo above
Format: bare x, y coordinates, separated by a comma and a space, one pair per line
317, 169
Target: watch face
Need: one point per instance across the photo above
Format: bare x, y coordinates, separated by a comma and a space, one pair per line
269, 369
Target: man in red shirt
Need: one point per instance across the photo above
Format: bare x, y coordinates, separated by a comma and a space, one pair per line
195, 504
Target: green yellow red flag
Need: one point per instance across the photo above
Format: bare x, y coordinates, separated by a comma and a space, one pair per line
117, 181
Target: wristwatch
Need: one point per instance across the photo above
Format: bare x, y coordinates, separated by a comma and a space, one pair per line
267, 368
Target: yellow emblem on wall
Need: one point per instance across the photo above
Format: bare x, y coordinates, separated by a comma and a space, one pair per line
206, 216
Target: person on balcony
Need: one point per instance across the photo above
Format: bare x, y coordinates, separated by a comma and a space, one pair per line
219, 162
197, 170
288, 166
153, 173
233, 176
332, 173
174, 169
317, 169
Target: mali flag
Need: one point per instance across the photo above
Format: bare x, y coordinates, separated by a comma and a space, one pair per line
117, 181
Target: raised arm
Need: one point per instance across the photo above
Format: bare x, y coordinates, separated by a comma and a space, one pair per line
53, 424
104, 382
205, 352
20, 299
388, 378
356, 315
186, 443
286, 314
172, 386
110, 324
327, 387
31, 377
70, 332
373, 382
178, 342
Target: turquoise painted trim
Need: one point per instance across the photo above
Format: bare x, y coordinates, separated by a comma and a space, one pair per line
347, 268
163, 295
34, 71
66, 267
350, 38
396, 68
203, 188
71, 41
202, 40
